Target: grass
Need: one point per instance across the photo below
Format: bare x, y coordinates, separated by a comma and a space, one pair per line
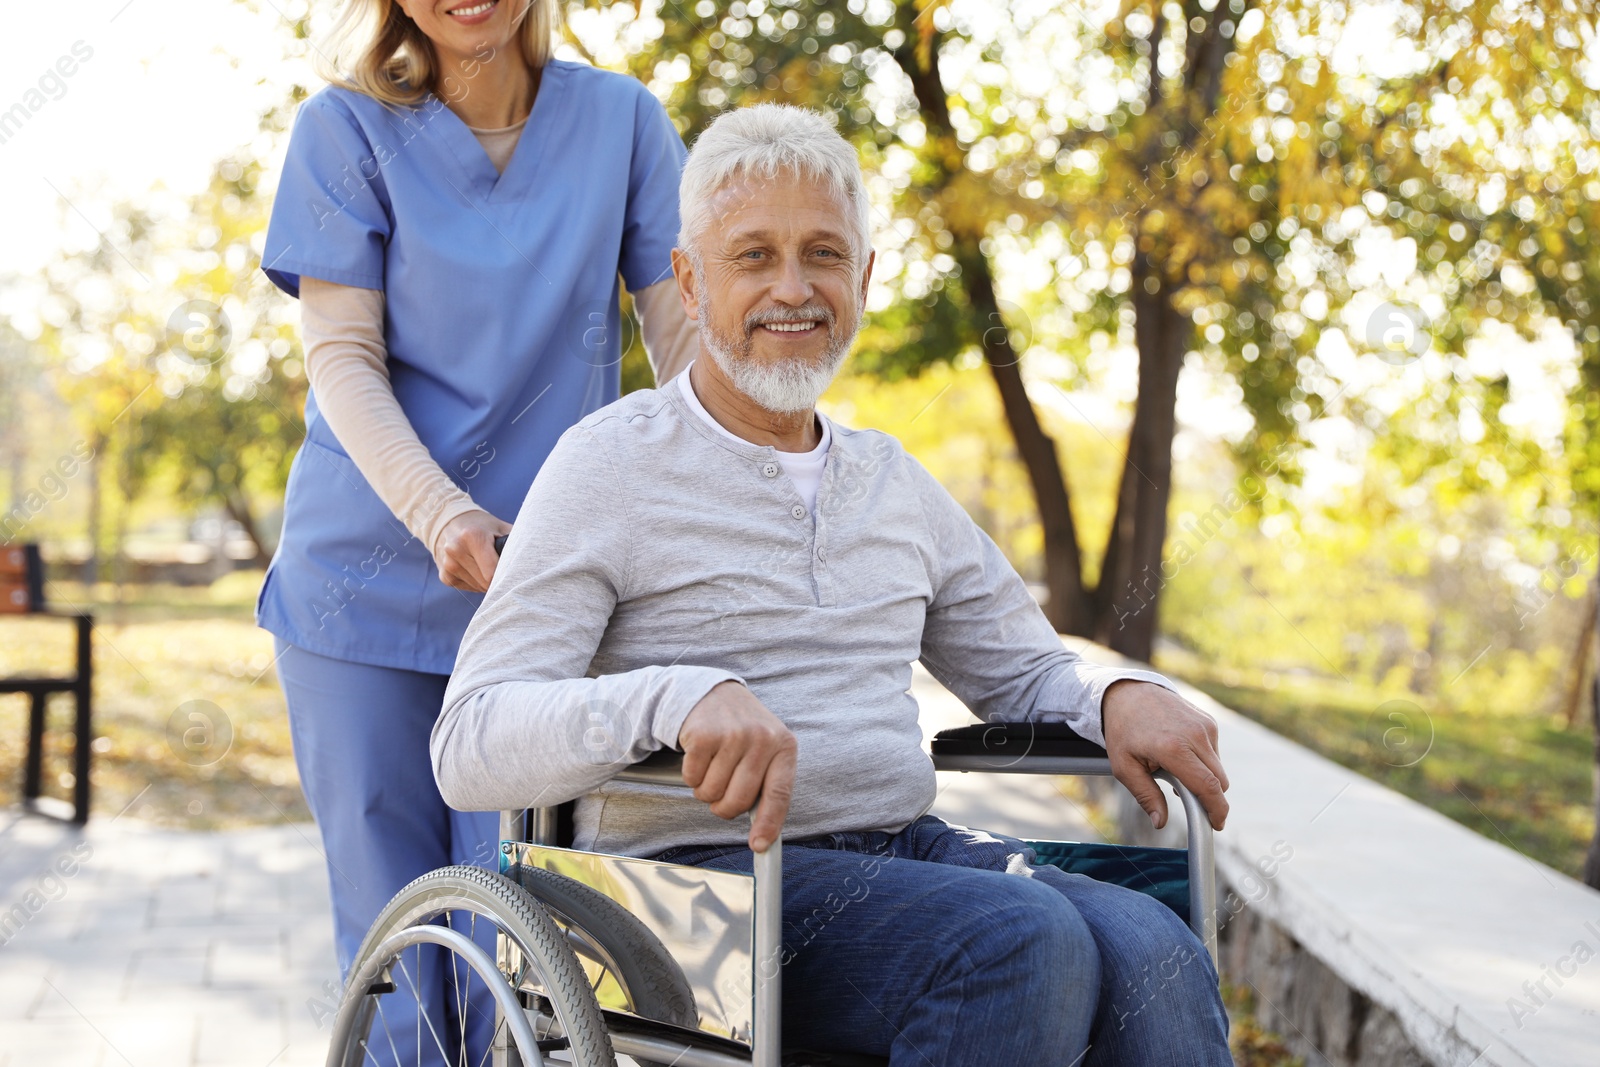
1520, 779
1252, 1044
162, 654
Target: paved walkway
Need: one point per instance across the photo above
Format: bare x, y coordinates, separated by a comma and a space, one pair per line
163, 948
130, 945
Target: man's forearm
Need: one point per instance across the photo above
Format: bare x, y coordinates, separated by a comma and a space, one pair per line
517, 743
1076, 694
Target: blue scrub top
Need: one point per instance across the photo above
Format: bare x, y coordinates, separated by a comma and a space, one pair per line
501, 322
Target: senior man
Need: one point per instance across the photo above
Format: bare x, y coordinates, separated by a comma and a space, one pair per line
715, 566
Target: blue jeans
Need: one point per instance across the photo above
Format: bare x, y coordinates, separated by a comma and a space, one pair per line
943, 946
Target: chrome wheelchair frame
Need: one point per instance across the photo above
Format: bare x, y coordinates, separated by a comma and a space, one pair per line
549, 970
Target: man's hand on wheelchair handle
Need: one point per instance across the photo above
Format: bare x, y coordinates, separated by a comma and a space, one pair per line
1149, 728
736, 751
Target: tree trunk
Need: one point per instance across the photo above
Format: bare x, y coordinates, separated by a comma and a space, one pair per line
91, 563
1572, 703
117, 569
238, 507
1068, 607
1592, 859
1140, 528
1127, 596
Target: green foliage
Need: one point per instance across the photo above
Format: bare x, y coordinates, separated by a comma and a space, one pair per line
1516, 778
229, 423
178, 360
1251, 1043
1240, 159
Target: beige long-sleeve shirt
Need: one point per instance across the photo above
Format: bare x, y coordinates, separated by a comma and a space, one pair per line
341, 329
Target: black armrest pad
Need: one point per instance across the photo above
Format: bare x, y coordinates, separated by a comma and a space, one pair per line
662, 759
1012, 740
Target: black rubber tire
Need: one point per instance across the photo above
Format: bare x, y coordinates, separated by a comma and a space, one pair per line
518, 915
654, 982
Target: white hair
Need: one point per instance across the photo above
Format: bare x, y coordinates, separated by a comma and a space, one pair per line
762, 140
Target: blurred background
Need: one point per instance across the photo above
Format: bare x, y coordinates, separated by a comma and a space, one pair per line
1263, 337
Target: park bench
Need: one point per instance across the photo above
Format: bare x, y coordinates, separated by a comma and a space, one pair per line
22, 593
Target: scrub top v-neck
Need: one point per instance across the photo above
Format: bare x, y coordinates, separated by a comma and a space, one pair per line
501, 323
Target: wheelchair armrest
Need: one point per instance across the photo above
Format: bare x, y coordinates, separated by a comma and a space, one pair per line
1015, 739
662, 767
554, 825
1020, 748
994, 745
1053, 748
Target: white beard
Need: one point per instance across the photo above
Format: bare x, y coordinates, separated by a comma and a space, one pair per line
786, 388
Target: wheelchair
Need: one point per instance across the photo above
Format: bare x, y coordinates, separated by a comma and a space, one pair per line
595, 955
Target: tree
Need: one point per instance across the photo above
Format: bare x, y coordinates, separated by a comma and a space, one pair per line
1191, 170
987, 153
177, 358
234, 385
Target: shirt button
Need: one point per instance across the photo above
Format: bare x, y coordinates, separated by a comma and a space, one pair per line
798, 511
769, 469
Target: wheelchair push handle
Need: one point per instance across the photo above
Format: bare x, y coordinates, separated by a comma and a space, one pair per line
500, 543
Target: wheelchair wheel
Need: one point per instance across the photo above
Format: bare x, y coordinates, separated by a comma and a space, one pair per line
423, 950
602, 931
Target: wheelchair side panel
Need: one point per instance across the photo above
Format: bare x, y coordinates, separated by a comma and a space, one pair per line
704, 919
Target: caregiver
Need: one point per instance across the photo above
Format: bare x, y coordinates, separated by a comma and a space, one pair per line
453, 214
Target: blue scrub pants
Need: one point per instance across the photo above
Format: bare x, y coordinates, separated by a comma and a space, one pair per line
360, 738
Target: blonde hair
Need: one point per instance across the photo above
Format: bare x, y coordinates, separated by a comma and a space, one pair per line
375, 48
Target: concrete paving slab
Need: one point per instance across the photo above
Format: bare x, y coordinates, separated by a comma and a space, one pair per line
164, 948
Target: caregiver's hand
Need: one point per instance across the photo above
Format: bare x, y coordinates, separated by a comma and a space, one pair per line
466, 555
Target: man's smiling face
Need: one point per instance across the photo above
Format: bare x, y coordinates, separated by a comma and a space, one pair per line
779, 285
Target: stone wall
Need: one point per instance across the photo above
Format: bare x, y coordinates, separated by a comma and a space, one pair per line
1297, 997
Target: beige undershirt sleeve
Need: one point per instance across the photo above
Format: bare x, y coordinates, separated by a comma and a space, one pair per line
341, 329
671, 339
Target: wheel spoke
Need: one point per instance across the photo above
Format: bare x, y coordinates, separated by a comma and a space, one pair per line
458, 990
386, 1033
601, 977
489, 1048
423, 1015
463, 1021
